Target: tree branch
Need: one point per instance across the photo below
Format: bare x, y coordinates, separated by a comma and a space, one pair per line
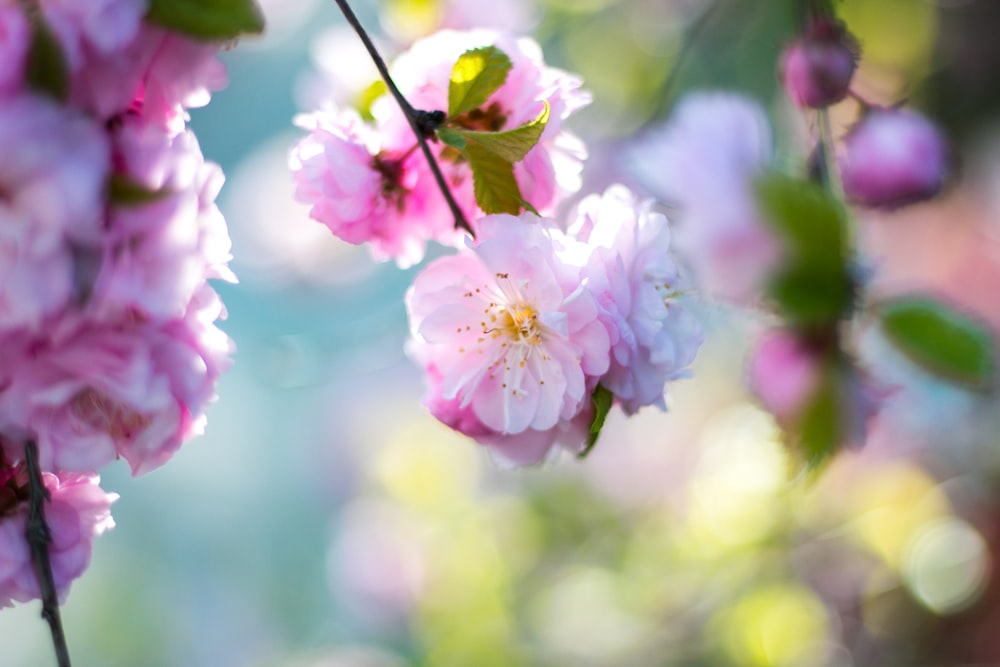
39, 537
423, 123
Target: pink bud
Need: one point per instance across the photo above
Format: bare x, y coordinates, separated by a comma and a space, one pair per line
816, 69
784, 373
893, 158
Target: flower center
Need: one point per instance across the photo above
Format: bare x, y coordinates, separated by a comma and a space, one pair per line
100, 412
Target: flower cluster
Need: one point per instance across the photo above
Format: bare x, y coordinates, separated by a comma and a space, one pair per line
520, 329
368, 182
541, 321
108, 233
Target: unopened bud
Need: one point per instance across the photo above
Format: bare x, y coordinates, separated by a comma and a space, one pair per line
893, 158
817, 68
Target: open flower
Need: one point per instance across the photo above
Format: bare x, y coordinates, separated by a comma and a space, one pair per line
509, 327
637, 284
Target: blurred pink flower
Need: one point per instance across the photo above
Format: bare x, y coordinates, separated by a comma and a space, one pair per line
784, 373
79, 511
51, 198
509, 327
632, 274
157, 254
91, 392
15, 36
893, 157
703, 161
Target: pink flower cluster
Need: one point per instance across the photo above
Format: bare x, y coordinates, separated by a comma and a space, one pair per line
537, 313
517, 330
108, 232
368, 182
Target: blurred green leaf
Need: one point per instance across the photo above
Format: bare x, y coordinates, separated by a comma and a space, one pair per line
813, 286
810, 298
512, 145
493, 181
123, 191
475, 76
208, 20
602, 400
941, 340
819, 430
807, 218
47, 71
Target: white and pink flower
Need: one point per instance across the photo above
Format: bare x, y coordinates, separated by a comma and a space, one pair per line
509, 327
637, 284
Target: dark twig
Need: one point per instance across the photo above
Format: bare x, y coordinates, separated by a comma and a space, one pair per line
39, 537
423, 123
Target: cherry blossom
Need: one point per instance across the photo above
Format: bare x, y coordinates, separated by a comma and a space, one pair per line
703, 162
637, 285
509, 327
78, 511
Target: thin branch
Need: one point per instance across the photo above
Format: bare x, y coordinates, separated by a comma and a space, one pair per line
39, 537
423, 123
691, 36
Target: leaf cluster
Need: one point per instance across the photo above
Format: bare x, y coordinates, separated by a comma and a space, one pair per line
491, 155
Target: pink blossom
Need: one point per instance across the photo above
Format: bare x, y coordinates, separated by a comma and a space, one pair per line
545, 176
509, 327
91, 392
15, 36
703, 161
51, 190
892, 158
158, 74
93, 26
78, 511
364, 194
636, 283
157, 254
525, 448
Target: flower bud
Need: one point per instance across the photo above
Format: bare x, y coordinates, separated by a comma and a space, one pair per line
816, 69
893, 158
784, 373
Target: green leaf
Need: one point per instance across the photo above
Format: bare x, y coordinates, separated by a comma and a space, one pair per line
602, 400
47, 70
368, 96
476, 75
123, 191
451, 137
208, 20
806, 297
512, 145
819, 428
807, 218
813, 286
493, 181
941, 340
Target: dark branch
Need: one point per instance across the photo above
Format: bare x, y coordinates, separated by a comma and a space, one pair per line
423, 123
39, 537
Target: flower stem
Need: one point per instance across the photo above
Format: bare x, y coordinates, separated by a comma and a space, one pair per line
39, 537
423, 123
828, 164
